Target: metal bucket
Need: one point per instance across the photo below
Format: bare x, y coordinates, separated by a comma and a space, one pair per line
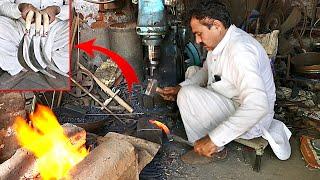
100, 34
125, 41
307, 64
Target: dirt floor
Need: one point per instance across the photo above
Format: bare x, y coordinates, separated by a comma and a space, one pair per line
238, 165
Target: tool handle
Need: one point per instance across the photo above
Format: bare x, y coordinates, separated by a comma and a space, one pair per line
45, 24
107, 90
106, 102
38, 23
28, 20
173, 137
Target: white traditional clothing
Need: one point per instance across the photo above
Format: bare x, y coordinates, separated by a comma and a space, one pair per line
241, 104
12, 29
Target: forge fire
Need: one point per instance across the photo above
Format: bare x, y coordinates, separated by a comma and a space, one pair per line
44, 137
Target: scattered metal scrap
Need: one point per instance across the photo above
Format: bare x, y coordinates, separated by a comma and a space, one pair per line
95, 99
107, 90
84, 83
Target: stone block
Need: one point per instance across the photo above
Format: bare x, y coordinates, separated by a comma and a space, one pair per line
11, 106
146, 150
112, 159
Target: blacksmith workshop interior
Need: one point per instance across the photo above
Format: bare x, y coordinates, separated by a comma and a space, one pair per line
160, 89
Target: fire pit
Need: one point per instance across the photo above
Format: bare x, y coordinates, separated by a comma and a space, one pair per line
116, 156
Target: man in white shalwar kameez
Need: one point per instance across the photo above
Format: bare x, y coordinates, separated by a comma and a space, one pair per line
12, 29
232, 96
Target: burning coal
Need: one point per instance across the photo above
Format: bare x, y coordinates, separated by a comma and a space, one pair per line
46, 140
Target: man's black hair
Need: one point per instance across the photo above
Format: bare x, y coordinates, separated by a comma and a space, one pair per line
211, 9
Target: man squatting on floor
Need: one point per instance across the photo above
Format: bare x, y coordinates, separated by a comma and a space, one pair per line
239, 104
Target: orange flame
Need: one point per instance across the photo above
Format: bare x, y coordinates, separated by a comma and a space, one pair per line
56, 155
160, 125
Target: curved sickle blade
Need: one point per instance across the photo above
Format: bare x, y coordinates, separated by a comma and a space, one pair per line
36, 39
49, 63
26, 56
20, 55
34, 61
36, 43
43, 54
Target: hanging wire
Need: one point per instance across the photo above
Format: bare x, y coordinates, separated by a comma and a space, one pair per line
304, 24
78, 39
312, 28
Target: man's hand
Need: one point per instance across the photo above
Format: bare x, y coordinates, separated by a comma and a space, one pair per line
52, 11
205, 147
169, 93
24, 8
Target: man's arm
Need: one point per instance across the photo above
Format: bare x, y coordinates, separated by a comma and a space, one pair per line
9, 9
200, 78
57, 11
254, 103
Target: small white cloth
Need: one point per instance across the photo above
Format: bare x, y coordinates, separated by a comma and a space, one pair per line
278, 136
241, 104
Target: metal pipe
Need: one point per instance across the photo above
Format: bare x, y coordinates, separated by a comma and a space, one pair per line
125, 41
119, 114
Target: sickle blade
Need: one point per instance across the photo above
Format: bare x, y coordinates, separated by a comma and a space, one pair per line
36, 43
20, 55
43, 54
49, 63
34, 61
23, 55
26, 56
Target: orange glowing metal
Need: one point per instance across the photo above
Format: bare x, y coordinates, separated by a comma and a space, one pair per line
54, 151
161, 126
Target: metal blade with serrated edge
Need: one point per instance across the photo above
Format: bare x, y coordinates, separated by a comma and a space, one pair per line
43, 54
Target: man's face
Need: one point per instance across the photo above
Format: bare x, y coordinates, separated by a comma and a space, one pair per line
209, 38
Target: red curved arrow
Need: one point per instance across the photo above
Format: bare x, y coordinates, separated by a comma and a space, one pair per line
126, 69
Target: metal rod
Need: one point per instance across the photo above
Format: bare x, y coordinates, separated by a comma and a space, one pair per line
33, 103
78, 41
59, 99
126, 119
119, 114
45, 98
75, 23
53, 97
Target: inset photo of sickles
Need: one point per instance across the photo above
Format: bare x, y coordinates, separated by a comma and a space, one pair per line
34, 45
